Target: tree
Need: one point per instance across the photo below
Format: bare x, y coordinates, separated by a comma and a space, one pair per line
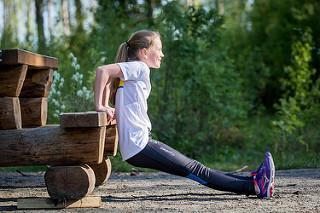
9, 37
40, 27
65, 17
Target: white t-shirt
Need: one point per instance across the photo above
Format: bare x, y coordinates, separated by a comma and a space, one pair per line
131, 108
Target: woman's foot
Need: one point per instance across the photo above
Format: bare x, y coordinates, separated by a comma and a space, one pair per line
263, 178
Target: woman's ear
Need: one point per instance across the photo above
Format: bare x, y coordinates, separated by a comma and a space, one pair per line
142, 53
145, 51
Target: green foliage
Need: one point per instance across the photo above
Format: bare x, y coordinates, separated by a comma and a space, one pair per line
79, 98
197, 92
297, 87
230, 86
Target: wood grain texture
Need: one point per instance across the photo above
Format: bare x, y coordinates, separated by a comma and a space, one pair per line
69, 182
83, 119
47, 203
12, 79
102, 171
111, 141
19, 56
51, 145
33, 111
37, 83
10, 114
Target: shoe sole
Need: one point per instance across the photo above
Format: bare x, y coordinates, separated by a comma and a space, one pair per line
270, 190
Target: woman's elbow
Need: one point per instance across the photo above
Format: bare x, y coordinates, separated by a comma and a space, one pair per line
99, 70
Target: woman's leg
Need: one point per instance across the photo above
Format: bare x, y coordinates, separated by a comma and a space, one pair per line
157, 155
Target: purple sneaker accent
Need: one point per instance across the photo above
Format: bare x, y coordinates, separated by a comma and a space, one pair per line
263, 178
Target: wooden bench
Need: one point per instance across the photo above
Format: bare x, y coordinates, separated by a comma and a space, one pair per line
77, 150
25, 81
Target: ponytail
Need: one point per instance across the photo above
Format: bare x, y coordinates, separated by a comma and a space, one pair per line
122, 56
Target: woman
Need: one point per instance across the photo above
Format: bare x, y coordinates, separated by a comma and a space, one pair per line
142, 51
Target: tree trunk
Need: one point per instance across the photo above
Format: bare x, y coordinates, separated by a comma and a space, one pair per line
149, 5
79, 16
50, 24
9, 36
65, 17
40, 28
28, 23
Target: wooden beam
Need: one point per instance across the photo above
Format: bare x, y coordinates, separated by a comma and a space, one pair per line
10, 114
47, 203
33, 111
69, 182
83, 119
51, 145
11, 80
111, 141
37, 83
19, 56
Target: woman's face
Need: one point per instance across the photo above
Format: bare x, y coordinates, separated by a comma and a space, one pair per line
154, 54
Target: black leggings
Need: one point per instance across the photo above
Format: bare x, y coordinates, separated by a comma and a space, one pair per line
159, 156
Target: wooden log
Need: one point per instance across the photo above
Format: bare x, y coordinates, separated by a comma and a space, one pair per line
37, 83
19, 56
83, 119
102, 171
111, 141
47, 203
33, 111
10, 114
51, 145
69, 182
11, 80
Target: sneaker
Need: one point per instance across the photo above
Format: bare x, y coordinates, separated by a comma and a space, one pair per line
263, 178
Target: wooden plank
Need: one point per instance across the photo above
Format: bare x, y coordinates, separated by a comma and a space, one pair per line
51, 145
33, 111
19, 56
10, 114
69, 182
11, 80
47, 203
83, 119
37, 83
111, 141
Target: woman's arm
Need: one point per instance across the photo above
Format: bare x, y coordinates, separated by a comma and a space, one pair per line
104, 75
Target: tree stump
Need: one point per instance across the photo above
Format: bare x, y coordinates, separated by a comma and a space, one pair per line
102, 171
69, 182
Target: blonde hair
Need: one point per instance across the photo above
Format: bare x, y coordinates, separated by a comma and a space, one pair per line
128, 51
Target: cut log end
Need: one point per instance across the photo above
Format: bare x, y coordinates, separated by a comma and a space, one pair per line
102, 171
69, 182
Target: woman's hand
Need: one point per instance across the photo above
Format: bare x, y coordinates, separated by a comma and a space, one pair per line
109, 110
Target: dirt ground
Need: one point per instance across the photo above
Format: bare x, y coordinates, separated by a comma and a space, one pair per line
296, 191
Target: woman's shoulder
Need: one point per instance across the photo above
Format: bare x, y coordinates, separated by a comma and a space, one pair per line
139, 65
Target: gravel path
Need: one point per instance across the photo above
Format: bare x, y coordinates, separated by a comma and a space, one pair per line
296, 191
